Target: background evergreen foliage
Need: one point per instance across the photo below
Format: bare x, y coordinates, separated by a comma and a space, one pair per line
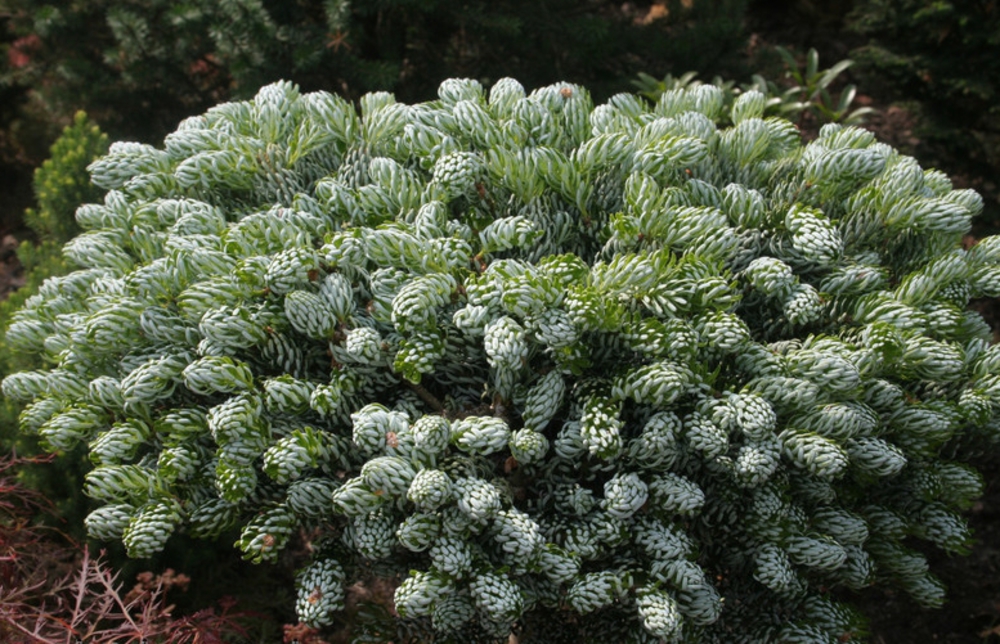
140, 66
940, 58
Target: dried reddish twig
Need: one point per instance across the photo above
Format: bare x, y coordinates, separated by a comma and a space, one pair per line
52, 593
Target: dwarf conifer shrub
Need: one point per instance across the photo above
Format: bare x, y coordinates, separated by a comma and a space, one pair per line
675, 379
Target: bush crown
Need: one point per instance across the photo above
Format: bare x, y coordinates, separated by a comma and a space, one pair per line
618, 359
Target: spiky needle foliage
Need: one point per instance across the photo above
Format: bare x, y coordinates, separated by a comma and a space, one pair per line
616, 358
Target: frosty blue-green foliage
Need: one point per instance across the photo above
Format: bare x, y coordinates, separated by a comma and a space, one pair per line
658, 365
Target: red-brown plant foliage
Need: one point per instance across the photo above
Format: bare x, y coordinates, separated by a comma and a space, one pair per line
53, 591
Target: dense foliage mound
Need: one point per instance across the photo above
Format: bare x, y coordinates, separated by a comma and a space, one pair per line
526, 352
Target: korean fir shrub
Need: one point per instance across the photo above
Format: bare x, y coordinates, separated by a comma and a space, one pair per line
525, 352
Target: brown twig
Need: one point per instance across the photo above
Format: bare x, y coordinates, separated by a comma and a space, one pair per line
427, 397
87, 602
